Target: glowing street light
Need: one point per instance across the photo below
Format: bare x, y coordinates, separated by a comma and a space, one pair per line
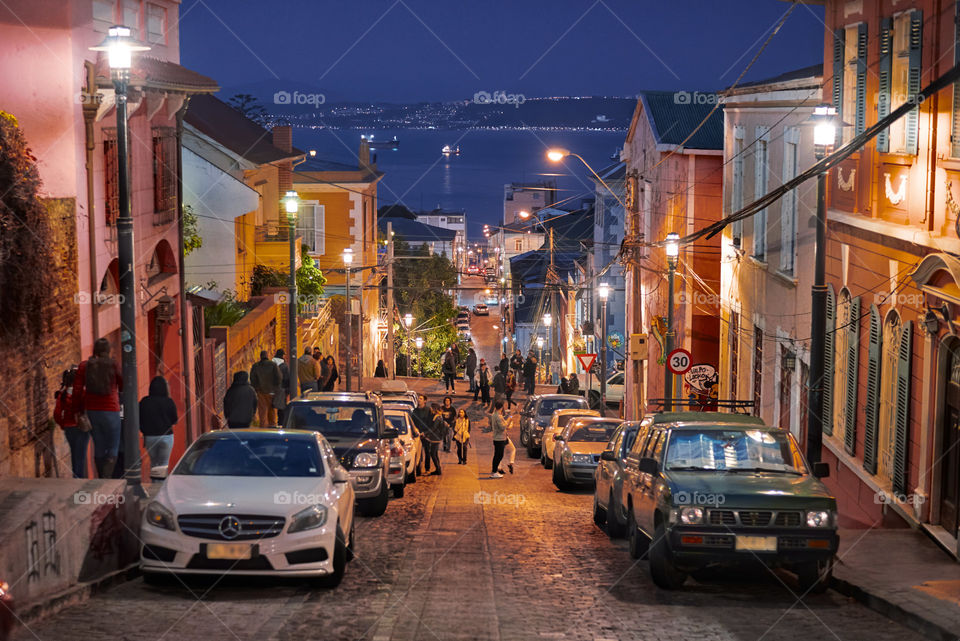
347, 261
557, 154
291, 205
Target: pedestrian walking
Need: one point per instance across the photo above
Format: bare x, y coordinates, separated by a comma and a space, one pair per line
433, 436
449, 416
308, 371
333, 375
282, 394
461, 435
266, 378
510, 386
483, 385
530, 374
158, 415
499, 386
77, 435
471, 368
97, 388
498, 425
449, 370
381, 371
422, 418
240, 403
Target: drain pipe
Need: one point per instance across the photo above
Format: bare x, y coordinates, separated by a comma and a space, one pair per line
192, 432
91, 104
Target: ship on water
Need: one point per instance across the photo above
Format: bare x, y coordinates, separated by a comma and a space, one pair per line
381, 144
450, 151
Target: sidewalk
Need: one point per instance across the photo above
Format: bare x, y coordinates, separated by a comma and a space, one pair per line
903, 575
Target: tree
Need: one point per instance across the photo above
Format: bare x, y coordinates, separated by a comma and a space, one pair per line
192, 240
310, 280
249, 105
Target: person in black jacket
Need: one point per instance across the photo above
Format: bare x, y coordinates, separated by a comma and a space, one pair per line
471, 367
422, 418
432, 436
530, 374
483, 384
516, 364
503, 365
158, 415
240, 402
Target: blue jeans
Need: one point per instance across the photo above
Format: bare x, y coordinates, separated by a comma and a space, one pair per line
158, 449
105, 433
78, 441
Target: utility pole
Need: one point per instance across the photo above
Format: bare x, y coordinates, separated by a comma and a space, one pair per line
635, 405
553, 283
392, 363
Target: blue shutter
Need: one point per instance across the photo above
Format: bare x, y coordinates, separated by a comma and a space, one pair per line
853, 365
955, 129
902, 437
826, 383
838, 46
912, 118
884, 72
873, 393
861, 116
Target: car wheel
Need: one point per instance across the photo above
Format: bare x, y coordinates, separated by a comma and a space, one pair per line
378, 504
615, 529
637, 541
524, 438
398, 491
815, 577
543, 459
548, 463
600, 515
412, 475
333, 579
350, 543
662, 570
532, 453
559, 478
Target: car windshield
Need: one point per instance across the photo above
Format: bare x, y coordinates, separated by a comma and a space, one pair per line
550, 405
252, 455
397, 422
563, 419
334, 419
592, 432
731, 450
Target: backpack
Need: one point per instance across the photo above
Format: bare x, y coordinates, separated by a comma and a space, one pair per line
99, 376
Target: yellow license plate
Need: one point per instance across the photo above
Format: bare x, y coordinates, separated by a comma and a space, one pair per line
757, 543
232, 551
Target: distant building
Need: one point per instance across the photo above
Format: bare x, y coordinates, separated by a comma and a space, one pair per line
527, 196
455, 221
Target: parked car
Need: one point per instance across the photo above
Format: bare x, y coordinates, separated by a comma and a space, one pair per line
557, 423
614, 390
254, 501
353, 424
401, 420
392, 391
706, 488
608, 512
480, 309
576, 453
537, 413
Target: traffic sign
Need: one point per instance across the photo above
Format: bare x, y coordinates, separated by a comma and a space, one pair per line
586, 361
679, 361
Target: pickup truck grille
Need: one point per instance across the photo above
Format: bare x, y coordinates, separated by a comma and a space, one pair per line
754, 518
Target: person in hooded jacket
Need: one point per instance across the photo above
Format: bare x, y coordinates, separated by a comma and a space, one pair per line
96, 392
158, 415
66, 417
240, 402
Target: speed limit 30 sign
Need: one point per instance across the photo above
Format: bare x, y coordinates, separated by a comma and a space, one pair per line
679, 361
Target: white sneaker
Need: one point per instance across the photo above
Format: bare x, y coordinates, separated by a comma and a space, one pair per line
496, 475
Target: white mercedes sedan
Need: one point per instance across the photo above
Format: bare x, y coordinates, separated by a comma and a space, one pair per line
252, 502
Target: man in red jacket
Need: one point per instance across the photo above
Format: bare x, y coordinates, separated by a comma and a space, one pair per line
96, 392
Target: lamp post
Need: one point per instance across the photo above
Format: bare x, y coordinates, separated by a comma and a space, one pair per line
548, 323
347, 260
120, 46
540, 349
672, 248
603, 291
407, 322
824, 135
418, 341
291, 204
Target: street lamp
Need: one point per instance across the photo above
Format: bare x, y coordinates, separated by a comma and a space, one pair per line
523, 214
407, 322
419, 343
548, 322
120, 47
291, 204
540, 350
603, 291
347, 260
824, 136
672, 249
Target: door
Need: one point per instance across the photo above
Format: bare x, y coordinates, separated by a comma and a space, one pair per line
950, 442
648, 482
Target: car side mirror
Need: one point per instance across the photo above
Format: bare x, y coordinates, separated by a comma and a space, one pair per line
648, 465
821, 470
608, 455
340, 475
390, 433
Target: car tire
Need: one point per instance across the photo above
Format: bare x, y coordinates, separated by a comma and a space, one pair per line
600, 514
398, 491
615, 529
524, 438
333, 579
412, 476
815, 577
637, 542
559, 478
350, 544
548, 462
662, 570
377, 505
532, 453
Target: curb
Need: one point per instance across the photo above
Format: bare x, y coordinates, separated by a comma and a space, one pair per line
74, 595
894, 612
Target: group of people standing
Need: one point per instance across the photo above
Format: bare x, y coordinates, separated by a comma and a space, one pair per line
440, 425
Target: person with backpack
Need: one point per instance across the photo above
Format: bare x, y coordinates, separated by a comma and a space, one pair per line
266, 379
158, 415
97, 388
78, 438
240, 402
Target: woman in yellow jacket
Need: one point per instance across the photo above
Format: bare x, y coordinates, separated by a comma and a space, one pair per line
461, 434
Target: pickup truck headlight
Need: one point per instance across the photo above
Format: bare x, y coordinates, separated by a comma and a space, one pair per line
691, 515
312, 517
582, 459
159, 516
818, 518
365, 459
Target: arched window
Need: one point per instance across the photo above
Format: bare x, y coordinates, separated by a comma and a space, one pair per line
841, 360
162, 261
887, 416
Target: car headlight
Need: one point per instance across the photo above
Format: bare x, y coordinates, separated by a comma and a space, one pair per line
582, 459
691, 515
159, 516
312, 517
818, 518
365, 459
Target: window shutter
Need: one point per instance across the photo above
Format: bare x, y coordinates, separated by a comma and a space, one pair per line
903, 410
884, 73
955, 129
861, 116
873, 393
838, 46
320, 230
826, 384
853, 365
912, 118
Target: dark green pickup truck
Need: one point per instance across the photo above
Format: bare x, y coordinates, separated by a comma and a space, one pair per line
705, 488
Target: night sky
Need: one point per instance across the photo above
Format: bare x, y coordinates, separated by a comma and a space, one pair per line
427, 50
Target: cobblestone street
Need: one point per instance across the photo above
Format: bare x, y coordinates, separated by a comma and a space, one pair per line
447, 562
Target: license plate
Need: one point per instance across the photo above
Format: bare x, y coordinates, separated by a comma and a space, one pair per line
756, 543
231, 551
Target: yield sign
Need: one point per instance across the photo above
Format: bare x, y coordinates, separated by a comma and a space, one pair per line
586, 361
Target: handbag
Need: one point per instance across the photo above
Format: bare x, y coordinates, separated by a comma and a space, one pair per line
83, 422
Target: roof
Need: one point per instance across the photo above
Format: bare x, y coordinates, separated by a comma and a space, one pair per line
812, 71
413, 231
155, 73
615, 171
217, 120
319, 164
672, 120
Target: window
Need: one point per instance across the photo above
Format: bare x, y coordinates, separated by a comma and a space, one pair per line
841, 360
788, 205
164, 174
104, 14
886, 419
518, 245
736, 191
955, 123
131, 17
761, 161
156, 24
899, 79
734, 353
757, 368
311, 227
850, 78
